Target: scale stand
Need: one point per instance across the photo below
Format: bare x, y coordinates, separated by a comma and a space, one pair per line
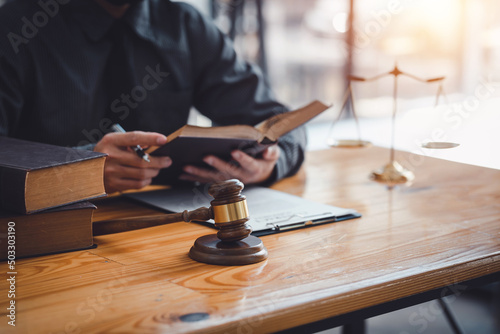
393, 173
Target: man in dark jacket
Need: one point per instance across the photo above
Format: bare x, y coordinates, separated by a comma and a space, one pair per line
70, 69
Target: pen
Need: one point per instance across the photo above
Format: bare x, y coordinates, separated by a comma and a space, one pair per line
138, 150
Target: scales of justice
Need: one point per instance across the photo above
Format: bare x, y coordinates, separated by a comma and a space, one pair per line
393, 173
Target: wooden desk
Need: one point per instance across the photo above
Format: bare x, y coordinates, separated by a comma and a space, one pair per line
443, 230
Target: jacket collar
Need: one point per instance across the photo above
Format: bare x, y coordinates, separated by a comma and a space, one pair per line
95, 21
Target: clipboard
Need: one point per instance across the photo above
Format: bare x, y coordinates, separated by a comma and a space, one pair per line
271, 211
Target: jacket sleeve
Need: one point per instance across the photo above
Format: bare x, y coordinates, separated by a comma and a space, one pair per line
229, 90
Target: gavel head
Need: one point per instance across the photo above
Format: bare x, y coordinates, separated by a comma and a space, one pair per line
230, 210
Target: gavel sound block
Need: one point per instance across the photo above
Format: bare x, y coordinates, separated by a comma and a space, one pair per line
232, 245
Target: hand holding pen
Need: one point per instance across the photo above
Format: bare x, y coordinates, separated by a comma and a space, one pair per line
138, 149
122, 169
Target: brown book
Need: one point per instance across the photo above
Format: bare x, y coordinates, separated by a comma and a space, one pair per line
55, 230
35, 176
189, 144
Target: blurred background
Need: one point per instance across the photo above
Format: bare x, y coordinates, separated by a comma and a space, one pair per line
308, 44
308, 48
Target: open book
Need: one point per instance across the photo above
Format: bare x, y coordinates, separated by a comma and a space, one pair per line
190, 144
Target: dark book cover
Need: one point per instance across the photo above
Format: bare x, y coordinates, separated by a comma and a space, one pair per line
6, 214
191, 151
27, 155
51, 231
20, 157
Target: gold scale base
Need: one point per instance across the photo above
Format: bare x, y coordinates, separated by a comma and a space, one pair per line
393, 174
349, 143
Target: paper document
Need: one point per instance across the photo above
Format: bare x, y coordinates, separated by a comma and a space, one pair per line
270, 210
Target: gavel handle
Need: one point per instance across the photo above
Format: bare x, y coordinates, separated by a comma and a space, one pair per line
104, 227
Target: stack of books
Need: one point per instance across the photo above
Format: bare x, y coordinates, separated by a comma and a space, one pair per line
44, 193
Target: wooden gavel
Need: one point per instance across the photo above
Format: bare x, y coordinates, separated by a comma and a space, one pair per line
233, 244
228, 209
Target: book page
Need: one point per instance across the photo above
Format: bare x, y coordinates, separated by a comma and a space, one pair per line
278, 125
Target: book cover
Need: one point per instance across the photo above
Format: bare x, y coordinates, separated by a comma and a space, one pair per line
55, 230
36, 176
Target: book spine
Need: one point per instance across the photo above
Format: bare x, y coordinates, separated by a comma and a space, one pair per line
12, 189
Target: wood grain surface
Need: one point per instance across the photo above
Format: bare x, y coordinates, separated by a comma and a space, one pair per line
440, 231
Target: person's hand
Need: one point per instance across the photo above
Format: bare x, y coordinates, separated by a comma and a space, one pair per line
248, 170
124, 169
